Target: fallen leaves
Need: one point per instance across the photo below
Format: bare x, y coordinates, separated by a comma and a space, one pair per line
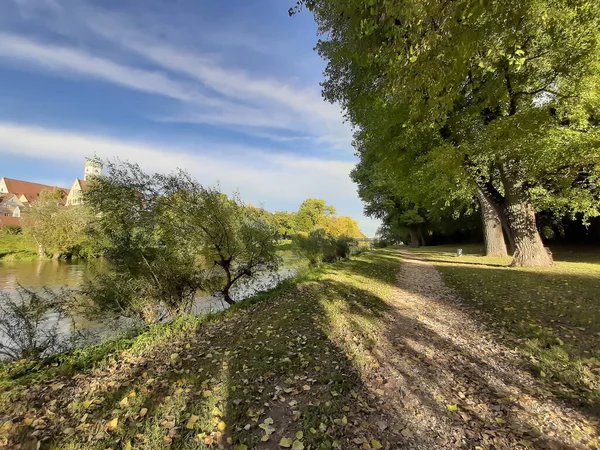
285, 442
191, 423
112, 425
375, 444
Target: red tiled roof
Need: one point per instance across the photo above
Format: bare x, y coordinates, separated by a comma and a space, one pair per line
31, 190
10, 221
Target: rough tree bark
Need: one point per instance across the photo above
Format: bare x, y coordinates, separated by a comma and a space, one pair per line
516, 213
492, 227
414, 238
529, 248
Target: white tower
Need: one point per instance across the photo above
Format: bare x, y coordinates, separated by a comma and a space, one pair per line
92, 168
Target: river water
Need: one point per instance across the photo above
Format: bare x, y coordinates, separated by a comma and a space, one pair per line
57, 274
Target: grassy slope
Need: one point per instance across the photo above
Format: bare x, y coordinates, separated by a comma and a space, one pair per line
16, 247
285, 367
552, 314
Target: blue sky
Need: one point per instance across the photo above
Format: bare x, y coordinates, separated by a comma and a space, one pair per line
228, 90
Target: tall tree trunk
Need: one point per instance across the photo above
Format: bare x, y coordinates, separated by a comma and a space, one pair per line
529, 248
422, 237
414, 238
492, 227
510, 240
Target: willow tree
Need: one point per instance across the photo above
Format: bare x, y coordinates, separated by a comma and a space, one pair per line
513, 87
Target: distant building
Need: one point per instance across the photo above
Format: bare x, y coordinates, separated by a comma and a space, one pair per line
92, 168
75, 196
16, 196
25, 192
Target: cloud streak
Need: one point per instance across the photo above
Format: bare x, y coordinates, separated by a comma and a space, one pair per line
258, 175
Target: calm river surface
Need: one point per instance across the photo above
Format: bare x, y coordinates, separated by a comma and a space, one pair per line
52, 274
56, 274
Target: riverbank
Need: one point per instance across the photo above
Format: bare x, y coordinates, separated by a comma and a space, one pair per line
15, 247
371, 353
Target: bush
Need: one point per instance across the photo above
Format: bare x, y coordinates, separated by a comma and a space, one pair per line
343, 247
165, 237
380, 243
10, 230
318, 247
30, 323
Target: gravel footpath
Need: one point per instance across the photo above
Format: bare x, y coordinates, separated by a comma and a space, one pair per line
451, 383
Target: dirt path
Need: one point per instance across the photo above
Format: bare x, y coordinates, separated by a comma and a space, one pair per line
454, 384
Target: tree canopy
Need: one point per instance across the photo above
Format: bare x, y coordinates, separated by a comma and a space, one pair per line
502, 94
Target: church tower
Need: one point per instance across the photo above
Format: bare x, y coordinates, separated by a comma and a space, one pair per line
93, 167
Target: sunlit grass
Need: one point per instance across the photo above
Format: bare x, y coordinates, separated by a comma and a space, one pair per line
553, 314
16, 247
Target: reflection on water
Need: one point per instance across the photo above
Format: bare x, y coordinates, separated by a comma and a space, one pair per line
56, 274
52, 274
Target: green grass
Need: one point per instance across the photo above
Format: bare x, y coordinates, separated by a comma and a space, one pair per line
551, 314
16, 247
292, 356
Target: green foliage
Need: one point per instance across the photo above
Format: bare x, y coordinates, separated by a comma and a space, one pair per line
318, 246
284, 221
10, 230
154, 268
30, 322
313, 212
58, 230
446, 97
17, 247
343, 226
380, 243
166, 236
237, 240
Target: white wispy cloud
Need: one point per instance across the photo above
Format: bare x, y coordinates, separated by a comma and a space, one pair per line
72, 61
258, 175
212, 92
266, 103
307, 103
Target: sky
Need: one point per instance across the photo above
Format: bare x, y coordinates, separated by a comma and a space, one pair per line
225, 89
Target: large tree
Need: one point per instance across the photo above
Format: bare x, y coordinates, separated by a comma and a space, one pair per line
165, 237
313, 212
511, 88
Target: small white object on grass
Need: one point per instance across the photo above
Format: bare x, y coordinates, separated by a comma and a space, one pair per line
459, 252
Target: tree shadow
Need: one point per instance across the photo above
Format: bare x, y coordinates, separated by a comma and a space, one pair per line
499, 405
